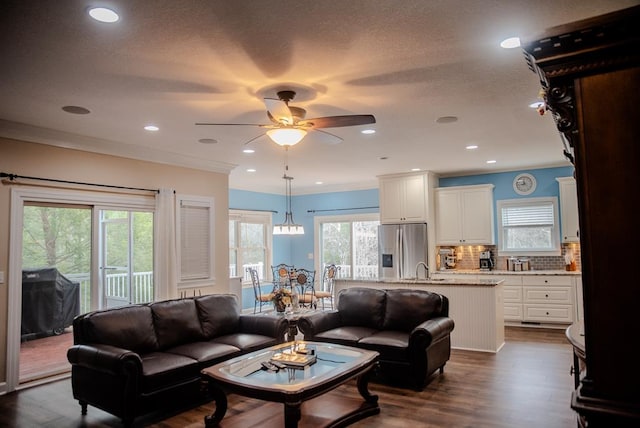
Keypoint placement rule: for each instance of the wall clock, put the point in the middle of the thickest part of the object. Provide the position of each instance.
(524, 184)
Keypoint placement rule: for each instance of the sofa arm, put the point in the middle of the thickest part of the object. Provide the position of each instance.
(430, 331)
(105, 358)
(317, 322)
(265, 325)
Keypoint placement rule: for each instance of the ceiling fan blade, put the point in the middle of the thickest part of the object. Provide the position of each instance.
(254, 139)
(278, 110)
(338, 121)
(232, 124)
(326, 137)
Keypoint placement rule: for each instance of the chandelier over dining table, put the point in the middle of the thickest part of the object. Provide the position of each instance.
(288, 227)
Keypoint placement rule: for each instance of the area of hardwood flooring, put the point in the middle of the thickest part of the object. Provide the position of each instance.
(526, 384)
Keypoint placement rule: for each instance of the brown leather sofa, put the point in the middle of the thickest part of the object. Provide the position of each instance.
(409, 328)
(137, 359)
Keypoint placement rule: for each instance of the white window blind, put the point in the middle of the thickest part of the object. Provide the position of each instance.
(528, 215)
(195, 238)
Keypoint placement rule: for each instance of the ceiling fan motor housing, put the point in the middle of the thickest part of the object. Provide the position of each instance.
(286, 96)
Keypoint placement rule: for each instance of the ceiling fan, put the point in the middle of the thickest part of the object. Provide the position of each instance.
(289, 126)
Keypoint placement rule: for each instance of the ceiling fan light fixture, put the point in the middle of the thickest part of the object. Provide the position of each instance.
(286, 136)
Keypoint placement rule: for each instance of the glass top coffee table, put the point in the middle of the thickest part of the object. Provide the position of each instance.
(304, 391)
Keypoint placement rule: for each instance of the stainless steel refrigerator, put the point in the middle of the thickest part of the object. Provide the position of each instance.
(401, 248)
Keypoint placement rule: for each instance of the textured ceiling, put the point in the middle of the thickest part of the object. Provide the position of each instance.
(174, 63)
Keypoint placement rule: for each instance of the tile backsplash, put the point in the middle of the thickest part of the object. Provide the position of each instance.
(469, 258)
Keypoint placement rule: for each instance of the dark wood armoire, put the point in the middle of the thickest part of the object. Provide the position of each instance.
(590, 74)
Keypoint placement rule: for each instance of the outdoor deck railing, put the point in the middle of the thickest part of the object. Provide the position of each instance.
(116, 286)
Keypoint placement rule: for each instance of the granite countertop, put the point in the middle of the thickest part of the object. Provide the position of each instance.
(508, 272)
(432, 281)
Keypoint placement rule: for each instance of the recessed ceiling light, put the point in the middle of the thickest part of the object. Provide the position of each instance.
(368, 131)
(510, 43)
(447, 119)
(537, 104)
(207, 141)
(319, 182)
(415, 169)
(151, 128)
(103, 14)
(76, 110)
(248, 151)
(471, 147)
(491, 161)
(251, 170)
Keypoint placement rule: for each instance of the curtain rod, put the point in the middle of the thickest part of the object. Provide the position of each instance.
(260, 211)
(341, 209)
(12, 177)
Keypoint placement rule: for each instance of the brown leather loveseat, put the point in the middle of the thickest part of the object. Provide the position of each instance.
(132, 360)
(409, 328)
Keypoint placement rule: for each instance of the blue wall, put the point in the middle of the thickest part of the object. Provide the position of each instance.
(503, 182)
(295, 249)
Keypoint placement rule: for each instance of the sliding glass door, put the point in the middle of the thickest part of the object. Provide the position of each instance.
(126, 257)
(75, 257)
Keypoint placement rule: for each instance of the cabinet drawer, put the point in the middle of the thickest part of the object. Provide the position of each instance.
(513, 294)
(551, 313)
(512, 312)
(562, 295)
(547, 280)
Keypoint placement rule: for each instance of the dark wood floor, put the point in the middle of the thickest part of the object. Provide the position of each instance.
(527, 384)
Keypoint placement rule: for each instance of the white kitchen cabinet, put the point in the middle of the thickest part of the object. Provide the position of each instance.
(512, 296)
(404, 198)
(464, 215)
(569, 209)
(548, 299)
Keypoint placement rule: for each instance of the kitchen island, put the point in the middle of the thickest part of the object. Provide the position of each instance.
(475, 305)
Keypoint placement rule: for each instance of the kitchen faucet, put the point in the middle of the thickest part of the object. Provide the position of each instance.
(426, 268)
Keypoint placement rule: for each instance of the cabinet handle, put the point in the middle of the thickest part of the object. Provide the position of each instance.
(547, 313)
(546, 295)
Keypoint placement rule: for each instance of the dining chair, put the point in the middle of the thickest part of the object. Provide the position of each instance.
(326, 290)
(282, 274)
(304, 280)
(260, 298)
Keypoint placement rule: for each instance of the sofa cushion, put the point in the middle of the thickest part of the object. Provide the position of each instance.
(362, 307)
(408, 308)
(129, 327)
(219, 314)
(161, 370)
(176, 322)
(206, 353)
(392, 345)
(246, 342)
(344, 335)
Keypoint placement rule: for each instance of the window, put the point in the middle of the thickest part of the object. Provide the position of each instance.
(528, 226)
(194, 231)
(350, 242)
(249, 238)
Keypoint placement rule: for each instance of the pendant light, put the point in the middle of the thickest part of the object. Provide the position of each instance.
(288, 227)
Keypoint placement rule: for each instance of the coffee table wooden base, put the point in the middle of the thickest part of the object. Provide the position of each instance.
(330, 410)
